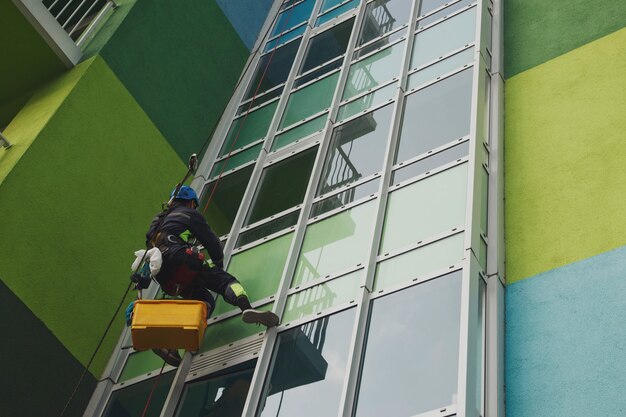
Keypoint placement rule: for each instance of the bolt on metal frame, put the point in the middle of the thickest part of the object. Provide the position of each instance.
(470, 263)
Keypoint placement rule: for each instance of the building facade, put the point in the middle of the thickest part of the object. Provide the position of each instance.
(362, 168)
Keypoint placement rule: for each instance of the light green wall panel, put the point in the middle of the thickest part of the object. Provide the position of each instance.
(140, 363)
(302, 131)
(247, 129)
(565, 147)
(428, 207)
(230, 330)
(259, 270)
(309, 100)
(432, 257)
(78, 204)
(322, 297)
(335, 243)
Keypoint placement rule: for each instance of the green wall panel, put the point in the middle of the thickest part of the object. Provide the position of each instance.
(27, 63)
(39, 353)
(539, 30)
(140, 363)
(29, 122)
(565, 148)
(180, 61)
(78, 204)
(259, 270)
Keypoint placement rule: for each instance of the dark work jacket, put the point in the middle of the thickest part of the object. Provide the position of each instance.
(179, 220)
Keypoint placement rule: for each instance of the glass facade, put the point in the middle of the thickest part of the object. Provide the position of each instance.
(351, 187)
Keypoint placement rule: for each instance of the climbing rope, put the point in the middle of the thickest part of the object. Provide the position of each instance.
(156, 382)
(245, 117)
(108, 327)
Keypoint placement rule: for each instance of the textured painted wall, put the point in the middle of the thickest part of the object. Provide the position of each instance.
(180, 61)
(28, 61)
(565, 149)
(565, 341)
(539, 30)
(247, 17)
(77, 205)
(25, 128)
(39, 353)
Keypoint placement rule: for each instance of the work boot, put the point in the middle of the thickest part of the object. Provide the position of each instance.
(170, 356)
(266, 318)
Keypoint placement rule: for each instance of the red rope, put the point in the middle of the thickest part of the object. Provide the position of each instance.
(245, 117)
(156, 382)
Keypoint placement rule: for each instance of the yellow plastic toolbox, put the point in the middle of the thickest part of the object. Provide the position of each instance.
(168, 324)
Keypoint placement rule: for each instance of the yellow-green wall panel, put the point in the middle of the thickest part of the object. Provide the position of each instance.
(564, 158)
(76, 206)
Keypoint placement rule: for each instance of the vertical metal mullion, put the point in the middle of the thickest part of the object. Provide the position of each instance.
(353, 367)
(173, 396)
(258, 169)
(494, 376)
(265, 355)
(467, 369)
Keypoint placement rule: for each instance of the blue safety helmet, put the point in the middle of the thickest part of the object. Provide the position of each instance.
(186, 193)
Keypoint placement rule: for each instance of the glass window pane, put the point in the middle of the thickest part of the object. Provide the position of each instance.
(444, 67)
(308, 369)
(310, 100)
(230, 330)
(433, 257)
(441, 207)
(259, 100)
(273, 69)
(336, 12)
(441, 13)
(436, 115)
(427, 6)
(293, 17)
(381, 43)
(236, 160)
(325, 69)
(345, 197)
(222, 395)
(379, 96)
(411, 359)
(222, 209)
(285, 37)
(374, 70)
(322, 297)
(302, 131)
(327, 45)
(441, 39)
(268, 228)
(434, 161)
(259, 270)
(357, 149)
(254, 127)
(347, 233)
(329, 4)
(140, 363)
(382, 16)
(282, 185)
(131, 401)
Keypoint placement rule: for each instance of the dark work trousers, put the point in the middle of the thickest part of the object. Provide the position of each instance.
(185, 275)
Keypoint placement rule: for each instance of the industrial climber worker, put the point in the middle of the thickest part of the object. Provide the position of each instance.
(186, 273)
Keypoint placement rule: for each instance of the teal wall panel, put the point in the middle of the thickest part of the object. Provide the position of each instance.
(565, 340)
(181, 62)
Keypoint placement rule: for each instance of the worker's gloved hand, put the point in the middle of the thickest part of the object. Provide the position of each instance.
(129, 313)
(141, 282)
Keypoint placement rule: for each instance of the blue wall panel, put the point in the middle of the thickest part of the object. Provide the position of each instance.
(247, 17)
(566, 340)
